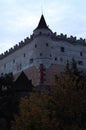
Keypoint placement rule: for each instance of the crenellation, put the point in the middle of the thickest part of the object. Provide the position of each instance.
(1, 56)
(16, 47)
(21, 44)
(11, 50)
(26, 40)
(70, 39)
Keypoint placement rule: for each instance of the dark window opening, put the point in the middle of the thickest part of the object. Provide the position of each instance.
(47, 44)
(35, 46)
(50, 55)
(13, 61)
(62, 49)
(55, 58)
(20, 66)
(31, 60)
(81, 54)
(80, 62)
(24, 55)
(61, 59)
(40, 33)
(40, 54)
(4, 65)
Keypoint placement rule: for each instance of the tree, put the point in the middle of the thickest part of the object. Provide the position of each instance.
(60, 108)
(73, 77)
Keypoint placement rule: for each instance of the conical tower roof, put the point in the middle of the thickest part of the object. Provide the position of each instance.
(42, 23)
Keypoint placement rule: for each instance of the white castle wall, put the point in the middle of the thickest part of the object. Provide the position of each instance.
(18, 60)
(43, 50)
(44, 47)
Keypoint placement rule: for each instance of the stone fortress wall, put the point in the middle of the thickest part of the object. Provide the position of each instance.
(44, 52)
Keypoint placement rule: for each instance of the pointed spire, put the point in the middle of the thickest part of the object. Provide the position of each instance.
(42, 23)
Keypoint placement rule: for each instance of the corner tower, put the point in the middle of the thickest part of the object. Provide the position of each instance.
(42, 47)
(42, 26)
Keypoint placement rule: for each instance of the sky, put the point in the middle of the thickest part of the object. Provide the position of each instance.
(18, 19)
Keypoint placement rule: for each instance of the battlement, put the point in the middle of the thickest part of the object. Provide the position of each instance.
(27, 40)
(71, 39)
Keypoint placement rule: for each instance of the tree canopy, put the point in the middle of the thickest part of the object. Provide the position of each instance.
(63, 107)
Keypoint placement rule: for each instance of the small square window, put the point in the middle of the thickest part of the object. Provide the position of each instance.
(20, 66)
(4, 65)
(40, 54)
(40, 33)
(81, 54)
(61, 59)
(31, 60)
(13, 60)
(35, 46)
(47, 44)
(55, 58)
(24, 55)
(62, 49)
(80, 62)
(50, 55)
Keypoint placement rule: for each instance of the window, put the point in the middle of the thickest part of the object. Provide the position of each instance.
(24, 55)
(61, 59)
(50, 55)
(4, 65)
(13, 60)
(40, 54)
(35, 46)
(31, 60)
(62, 49)
(55, 58)
(80, 62)
(47, 44)
(20, 66)
(81, 54)
(40, 33)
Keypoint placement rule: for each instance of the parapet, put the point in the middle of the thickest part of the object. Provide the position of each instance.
(16, 47)
(70, 39)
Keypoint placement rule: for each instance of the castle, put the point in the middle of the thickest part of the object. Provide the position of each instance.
(43, 55)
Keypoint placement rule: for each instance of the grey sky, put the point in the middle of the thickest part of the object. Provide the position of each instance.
(18, 18)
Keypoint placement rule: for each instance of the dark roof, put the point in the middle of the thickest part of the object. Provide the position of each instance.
(22, 83)
(42, 23)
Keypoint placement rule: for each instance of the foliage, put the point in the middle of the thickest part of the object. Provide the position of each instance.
(63, 107)
(72, 77)
(7, 100)
(6, 82)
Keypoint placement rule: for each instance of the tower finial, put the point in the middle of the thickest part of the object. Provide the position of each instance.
(42, 9)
